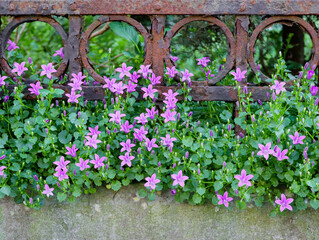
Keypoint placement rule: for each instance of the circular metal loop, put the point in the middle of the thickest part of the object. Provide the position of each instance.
(84, 43)
(230, 59)
(23, 19)
(281, 19)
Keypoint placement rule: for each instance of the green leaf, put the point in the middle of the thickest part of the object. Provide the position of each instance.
(18, 132)
(111, 173)
(218, 185)
(64, 137)
(139, 177)
(126, 181)
(15, 167)
(226, 115)
(295, 187)
(201, 191)
(61, 196)
(6, 190)
(188, 141)
(151, 196)
(314, 203)
(142, 193)
(197, 198)
(240, 205)
(259, 201)
(125, 30)
(77, 192)
(300, 204)
(116, 185)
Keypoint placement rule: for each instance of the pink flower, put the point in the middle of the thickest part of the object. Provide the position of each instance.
(126, 159)
(224, 199)
(142, 118)
(98, 162)
(150, 143)
(284, 203)
(179, 178)
(48, 190)
(109, 83)
(155, 80)
(116, 117)
(119, 87)
(280, 155)
(313, 90)
(203, 61)
(124, 71)
(35, 88)
(278, 87)
(12, 45)
(310, 74)
(83, 164)
(243, 178)
(297, 139)
(151, 181)
(92, 141)
(73, 98)
(168, 141)
(134, 77)
(2, 83)
(171, 71)
(238, 75)
(140, 133)
(174, 58)
(186, 75)
(19, 68)
(61, 173)
(144, 70)
(71, 151)
(170, 94)
(149, 91)
(1, 170)
(94, 131)
(47, 70)
(126, 127)
(151, 113)
(59, 53)
(126, 146)
(168, 115)
(265, 150)
(61, 164)
(131, 87)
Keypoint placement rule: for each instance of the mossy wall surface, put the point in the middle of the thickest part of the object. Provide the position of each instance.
(123, 215)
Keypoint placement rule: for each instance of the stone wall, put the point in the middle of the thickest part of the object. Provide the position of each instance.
(122, 215)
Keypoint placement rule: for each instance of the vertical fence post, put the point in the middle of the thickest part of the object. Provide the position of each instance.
(158, 47)
(242, 27)
(73, 45)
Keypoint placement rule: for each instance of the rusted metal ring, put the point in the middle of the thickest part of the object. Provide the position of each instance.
(281, 19)
(230, 59)
(23, 19)
(84, 43)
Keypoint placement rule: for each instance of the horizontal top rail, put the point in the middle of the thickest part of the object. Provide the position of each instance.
(159, 7)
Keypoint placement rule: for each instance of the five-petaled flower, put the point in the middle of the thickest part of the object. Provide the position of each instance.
(239, 75)
(94, 131)
(244, 179)
(284, 203)
(12, 45)
(203, 61)
(124, 70)
(151, 181)
(35, 88)
(171, 71)
(48, 191)
(265, 150)
(140, 133)
(19, 68)
(83, 164)
(280, 155)
(126, 159)
(168, 115)
(92, 141)
(278, 87)
(149, 91)
(179, 179)
(73, 98)
(47, 70)
(116, 117)
(296, 139)
(1, 170)
(150, 143)
(98, 161)
(224, 199)
(59, 53)
(61, 164)
(126, 146)
(168, 141)
(144, 70)
(186, 75)
(71, 151)
(126, 127)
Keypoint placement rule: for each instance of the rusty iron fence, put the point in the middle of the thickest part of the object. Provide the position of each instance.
(157, 43)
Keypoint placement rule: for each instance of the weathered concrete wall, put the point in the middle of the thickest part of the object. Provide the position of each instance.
(106, 215)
